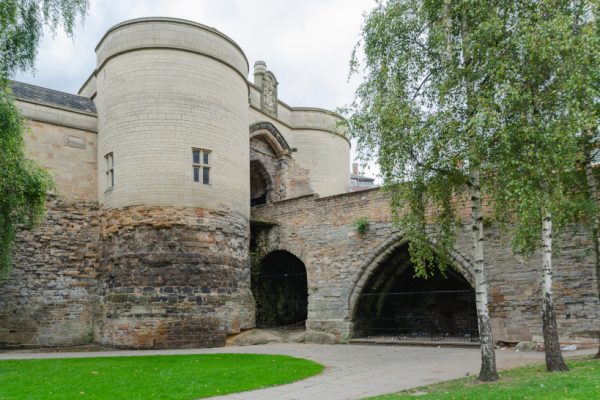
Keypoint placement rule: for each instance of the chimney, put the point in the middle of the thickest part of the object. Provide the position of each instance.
(354, 168)
(260, 67)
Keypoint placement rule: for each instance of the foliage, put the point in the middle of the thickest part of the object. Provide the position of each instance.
(422, 110)
(536, 127)
(22, 24)
(582, 382)
(361, 225)
(148, 377)
(23, 185)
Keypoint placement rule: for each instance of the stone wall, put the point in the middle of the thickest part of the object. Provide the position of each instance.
(322, 147)
(337, 258)
(173, 277)
(69, 155)
(283, 177)
(49, 298)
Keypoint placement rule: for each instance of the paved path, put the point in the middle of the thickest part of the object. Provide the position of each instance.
(352, 371)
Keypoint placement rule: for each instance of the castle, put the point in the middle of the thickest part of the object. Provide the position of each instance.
(192, 204)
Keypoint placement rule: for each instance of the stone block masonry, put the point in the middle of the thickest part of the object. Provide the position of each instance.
(173, 277)
(139, 277)
(339, 260)
(49, 298)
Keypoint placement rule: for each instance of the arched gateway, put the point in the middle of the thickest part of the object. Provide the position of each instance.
(389, 302)
(279, 286)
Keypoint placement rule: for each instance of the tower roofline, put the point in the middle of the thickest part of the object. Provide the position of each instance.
(175, 21)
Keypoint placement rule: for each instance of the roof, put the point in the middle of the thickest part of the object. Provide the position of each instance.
(38, 94)
(361, 177)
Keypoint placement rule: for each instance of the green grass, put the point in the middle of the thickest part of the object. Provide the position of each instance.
(179, 377)
(581, 382)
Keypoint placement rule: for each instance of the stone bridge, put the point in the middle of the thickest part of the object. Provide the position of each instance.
(340, 262)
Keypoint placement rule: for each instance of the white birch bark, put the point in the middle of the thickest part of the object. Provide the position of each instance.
(547, 257)
(488, 370)
(554, 359)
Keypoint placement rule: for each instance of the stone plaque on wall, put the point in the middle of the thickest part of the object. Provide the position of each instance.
(74, 141)
(268, 100)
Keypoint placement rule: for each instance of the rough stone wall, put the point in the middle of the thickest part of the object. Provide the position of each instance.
(173, 277)
(49, 298)
(286, 179)
(321, 233)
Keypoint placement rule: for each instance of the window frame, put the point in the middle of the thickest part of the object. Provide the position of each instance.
(109, 170)
(203, 166)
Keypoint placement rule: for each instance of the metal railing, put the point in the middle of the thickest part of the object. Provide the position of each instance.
(417, 316)
(281, 300)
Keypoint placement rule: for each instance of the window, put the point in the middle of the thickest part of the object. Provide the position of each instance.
(110, 171)
(201, 165)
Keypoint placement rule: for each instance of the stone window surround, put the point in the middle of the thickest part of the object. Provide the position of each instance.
(110, 170)
(202, 164)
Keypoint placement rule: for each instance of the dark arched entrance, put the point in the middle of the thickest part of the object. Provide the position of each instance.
(279, 286)
(396, 305)
(260, 183)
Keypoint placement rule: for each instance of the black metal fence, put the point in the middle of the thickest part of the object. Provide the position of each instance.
(418, 316)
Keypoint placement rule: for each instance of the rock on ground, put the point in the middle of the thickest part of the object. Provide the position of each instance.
(258, 336)
(319, 337)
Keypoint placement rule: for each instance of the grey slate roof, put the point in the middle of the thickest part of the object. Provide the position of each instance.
(38, 94)
(362, 178)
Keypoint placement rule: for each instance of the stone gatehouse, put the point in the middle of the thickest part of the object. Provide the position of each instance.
(193, 204)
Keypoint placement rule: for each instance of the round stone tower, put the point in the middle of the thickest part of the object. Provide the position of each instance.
(173, 156)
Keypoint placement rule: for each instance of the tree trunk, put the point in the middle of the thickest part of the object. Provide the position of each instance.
(554, 359)
(592, 186)
(488, 370)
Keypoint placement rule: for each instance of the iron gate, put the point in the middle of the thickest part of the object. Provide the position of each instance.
(281, 300)
(448, 315)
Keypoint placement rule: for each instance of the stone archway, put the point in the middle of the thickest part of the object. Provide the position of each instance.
(388, 301)
(261, 184)
(280, 289)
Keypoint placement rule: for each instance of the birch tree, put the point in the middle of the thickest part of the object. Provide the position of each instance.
(538, 186)
(583, 78)
(422, 113)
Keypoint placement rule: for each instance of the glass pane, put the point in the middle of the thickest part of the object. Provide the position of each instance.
(196, 174)
(111, 161)
(112, 178)
(205, 176)
(205, 154)
(196, 156)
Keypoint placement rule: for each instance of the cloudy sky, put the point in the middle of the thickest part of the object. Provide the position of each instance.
(307, 44)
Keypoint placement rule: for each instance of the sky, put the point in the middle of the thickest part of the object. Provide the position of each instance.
(307, 44)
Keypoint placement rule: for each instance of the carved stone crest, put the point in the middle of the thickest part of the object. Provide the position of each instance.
(269, 94)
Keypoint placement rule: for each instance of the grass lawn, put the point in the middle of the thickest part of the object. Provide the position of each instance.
(581, 382)
(182, 377)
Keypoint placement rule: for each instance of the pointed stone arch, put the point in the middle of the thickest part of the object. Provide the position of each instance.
(261, 183)
(271, 135)
(382, 253)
